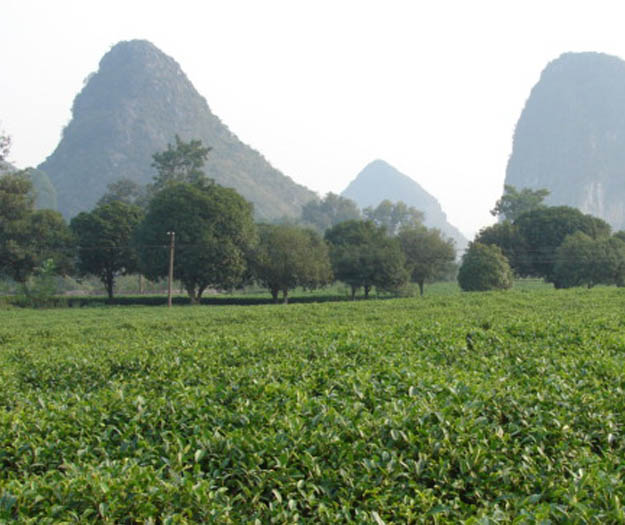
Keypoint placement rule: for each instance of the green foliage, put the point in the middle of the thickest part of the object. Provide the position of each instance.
(48, 237)
(105, 241)
(289, 256)
(363, 255)
(183, 162)
(584, 261)
(484, 267)
(379, 181)
(394, 216)
(545, 229)
(506, 236)
(16, 198)
(127, 191)
(428, 254)
(329, 211)
(28, 237)
(214, 232)
(515, 203)
(475, 408)
(40, 288)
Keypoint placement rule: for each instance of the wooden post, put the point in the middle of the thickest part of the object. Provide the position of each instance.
(172, 244)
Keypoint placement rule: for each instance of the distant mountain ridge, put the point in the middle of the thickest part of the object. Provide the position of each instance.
(379, 181)
(570, 137)
(132, 107)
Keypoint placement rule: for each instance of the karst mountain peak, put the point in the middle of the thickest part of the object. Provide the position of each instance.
(137, 101)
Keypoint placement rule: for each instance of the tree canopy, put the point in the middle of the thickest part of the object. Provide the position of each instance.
(544, 229)
(428, 253)
(484, 268)
(105, 241)
(125, 190)
(182, 162)
(288, 256)
(583, 261)
(394, 216)
(363, 255)
(214, 233)
(329, 211)
(506, 235)
(29, 237)
(515, 203)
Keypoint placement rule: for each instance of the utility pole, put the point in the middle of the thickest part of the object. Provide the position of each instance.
(172, 244)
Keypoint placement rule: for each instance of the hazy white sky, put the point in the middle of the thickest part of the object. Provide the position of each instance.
(320, 88)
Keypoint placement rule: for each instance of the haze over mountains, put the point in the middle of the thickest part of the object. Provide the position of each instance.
(379, 181)
(570, 137)
(134, 105)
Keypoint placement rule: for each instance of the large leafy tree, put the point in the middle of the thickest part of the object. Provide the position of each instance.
(214, 232)
(329, 211)
(543, 231)
(16, 198)
(484, 268)
(394, 216)
(583, 261)
(180, 162)
(515, 203)
(506, 235)
(363, 255)
(105, 241)
(29, 237)
(289, 256)
(427, 253)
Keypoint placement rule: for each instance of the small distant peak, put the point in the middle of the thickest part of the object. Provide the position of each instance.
(584, 63)
(135, 44)
(133, 51)
(378, 162)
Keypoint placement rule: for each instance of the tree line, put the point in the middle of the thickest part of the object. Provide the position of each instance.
(218, 244)
(559, 244)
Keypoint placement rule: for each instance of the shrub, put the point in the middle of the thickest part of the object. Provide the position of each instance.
(484, 267)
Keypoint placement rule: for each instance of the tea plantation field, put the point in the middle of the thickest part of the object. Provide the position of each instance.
(476, 408)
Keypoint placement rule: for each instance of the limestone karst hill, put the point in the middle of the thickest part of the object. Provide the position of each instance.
(132, 107)
(570, 137)
(379, 181)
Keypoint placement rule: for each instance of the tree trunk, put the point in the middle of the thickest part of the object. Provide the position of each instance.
(367, 288)
(141, 284)
(192, 296)
(285, 296)
(420, 288)
(353, 293)
(274, 295)
(109, 283)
